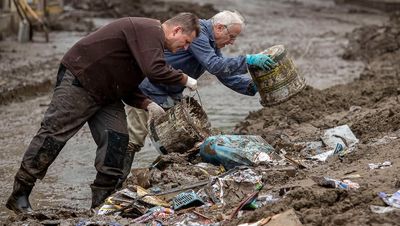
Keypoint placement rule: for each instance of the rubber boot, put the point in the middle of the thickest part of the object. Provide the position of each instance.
(128, 160)
(99, 194)
(19, 199)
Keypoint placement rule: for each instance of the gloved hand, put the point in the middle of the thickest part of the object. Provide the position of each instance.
(252, 89)
(191, 83)
(155, 111)
(260, 60)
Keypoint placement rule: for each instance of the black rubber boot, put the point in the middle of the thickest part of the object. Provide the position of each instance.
(99, 194)
(19, 199)
(128, 160)
(102, 187)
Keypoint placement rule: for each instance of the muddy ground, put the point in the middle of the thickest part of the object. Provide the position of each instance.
(349, 56)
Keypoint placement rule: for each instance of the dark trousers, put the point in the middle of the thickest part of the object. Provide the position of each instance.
(70, 108)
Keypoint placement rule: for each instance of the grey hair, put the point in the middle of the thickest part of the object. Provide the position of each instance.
(228, 18)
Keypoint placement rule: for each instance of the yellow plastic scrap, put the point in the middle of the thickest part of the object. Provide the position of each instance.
(150, 199)
(221, 169)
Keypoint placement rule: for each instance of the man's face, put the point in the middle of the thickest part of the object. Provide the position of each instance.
(226, 35)
(178, 39)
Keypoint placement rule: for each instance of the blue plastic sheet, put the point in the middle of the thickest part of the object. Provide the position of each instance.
(235, 150)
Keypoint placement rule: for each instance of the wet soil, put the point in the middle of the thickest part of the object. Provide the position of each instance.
(349, 59)
(369, 105)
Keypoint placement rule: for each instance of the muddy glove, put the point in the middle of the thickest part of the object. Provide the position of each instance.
(260, 60)
(252, 89)
(155, 111)
(191, 83)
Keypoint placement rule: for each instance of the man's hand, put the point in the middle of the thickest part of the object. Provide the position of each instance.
(191, 83)
(155, 111)
(260, 60)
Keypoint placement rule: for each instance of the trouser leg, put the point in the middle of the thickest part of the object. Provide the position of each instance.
(109, 130)
(69, 109)
(137, 125)
(128, 160)
(137, 130)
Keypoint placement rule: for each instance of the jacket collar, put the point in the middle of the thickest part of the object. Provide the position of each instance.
(206, 26)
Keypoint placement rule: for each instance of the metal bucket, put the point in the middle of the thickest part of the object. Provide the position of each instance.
(181, 128)
(282, 82)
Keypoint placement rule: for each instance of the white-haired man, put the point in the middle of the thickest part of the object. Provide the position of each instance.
(203, 54)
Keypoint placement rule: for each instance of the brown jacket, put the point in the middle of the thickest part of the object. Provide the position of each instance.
(111, 62)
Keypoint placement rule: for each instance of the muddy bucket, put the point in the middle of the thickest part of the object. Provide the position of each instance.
(282, 82)
(181, 128)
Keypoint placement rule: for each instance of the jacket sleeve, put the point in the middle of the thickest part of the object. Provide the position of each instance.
(137, 99)
(242, 84)
(216, 64)
(229, 70)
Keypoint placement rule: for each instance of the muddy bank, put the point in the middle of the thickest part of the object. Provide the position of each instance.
(77, 12)
(364, 103)
(384, 5)
(369, 105)
(161, 10)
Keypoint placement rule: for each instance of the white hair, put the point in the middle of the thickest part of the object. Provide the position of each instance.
(228, 18)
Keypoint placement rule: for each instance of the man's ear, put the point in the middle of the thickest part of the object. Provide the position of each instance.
(219, 28)
(176, 30)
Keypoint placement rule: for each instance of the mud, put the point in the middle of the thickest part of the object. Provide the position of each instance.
(369, 105)
(142, 8)
(349, 59)
(75, 19)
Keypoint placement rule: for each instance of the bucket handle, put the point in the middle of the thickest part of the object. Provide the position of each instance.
(154, 135)
(198, 95)
(188, 119)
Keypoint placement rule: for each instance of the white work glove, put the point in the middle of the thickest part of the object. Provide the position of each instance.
(155, 111)
(191, 83)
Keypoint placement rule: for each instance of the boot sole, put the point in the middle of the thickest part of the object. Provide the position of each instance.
(12, 208)
(15, 209)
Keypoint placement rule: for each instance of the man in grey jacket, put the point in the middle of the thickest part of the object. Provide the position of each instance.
(203, 54)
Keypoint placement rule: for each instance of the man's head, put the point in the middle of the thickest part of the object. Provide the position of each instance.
(227, 26)
(180, 31)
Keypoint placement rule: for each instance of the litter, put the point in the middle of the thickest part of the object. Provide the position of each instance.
(263, 200)
(382, 209)
(157, 212)
(186, 199)
(152, 200)
(323, 156)
(236, 150)
(339, 135)
(118, 201)
(107, 209)
(384, 140)
(332, 183)
(287, 218)
(340, 140)
(351, 176)
(89, 223)
(383, 165)
(391, 200)
(194, 219)
(235, 187)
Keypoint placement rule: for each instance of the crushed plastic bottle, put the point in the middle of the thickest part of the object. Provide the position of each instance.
(332, 183)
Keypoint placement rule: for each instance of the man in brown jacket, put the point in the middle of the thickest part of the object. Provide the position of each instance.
(95, 76)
